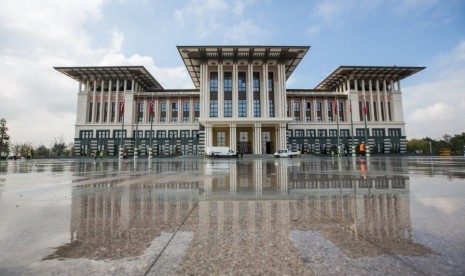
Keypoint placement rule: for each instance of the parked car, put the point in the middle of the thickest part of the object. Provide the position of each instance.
(286, 153)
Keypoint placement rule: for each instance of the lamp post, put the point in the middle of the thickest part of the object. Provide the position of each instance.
(151, 128)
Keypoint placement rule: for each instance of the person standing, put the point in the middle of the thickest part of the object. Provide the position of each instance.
(362, 149)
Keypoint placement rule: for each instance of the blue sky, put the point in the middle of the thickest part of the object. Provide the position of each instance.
(40, 104)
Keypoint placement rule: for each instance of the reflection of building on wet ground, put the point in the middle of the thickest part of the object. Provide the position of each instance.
(248, 210)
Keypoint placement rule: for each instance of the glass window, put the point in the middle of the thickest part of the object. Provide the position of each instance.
(221, 138)
(270, 108)
(161, 133)
(227, 82)
(319, 112)
(242, 108)
(344, 133)
(86, 134)
(299, 133)
(117, 133)
(113, 112)
(228, 108)
(185, 107)
(242, 84)
(256, 108)
(97, 112)
(256, 82)
(213, 108)
(311, 133)
(333, 133)
(184, 133)
(103, 134)
(173, 134)
(140, 112)
(105, 112)
(213, 82)
(322, 133)
(91, 105)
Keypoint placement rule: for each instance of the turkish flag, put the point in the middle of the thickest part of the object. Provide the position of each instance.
(122, 109)
(151, 109)
(364, 109)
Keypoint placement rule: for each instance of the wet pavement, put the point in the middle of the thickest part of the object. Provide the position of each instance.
(308, 216)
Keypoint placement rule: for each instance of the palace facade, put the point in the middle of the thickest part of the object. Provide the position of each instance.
(240, 101)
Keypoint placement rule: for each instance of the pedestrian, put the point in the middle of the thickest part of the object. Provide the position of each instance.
(362, 149)
(101, 154)
(95, 155)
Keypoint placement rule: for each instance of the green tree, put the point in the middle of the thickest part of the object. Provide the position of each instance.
(4, 137)
(414, 145)
(457, 143)
(58, 147)
(41, 152)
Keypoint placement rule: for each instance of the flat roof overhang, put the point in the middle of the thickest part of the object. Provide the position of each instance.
(138, 73)
(343, 73)
(193, 56)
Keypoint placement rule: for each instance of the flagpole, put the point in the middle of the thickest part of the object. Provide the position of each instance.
(352, 128)
(121, 148)
(338, 137)
(151, 127)
(136, 148)
(366, 133)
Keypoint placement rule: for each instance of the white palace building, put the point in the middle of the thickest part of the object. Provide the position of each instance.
(240, 101)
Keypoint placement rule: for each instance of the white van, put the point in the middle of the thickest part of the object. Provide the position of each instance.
(220, 152)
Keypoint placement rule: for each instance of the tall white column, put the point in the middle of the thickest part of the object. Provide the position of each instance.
(146, 111)
(249, 90)
(156, 114)
(386, 118)
(206, 80)
(303, 106)
(372, 106)
(277, 94)
(101, 103)
(220, 90)
(168, 109)
(363, 96)
(191, 110)
(117, 111)
(94, 101)
(264, 95)
(235, 97)
(314, 117)
(378, 99)
(232, 137)
(110, 84)
(283, 95)
(291, 108)
(324, 110)
(179, 110)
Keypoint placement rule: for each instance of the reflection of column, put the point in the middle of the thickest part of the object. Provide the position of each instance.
(250, 89)
(233, 180)
(258, 176)
(282, 177)
(232, 137)
(257, 139)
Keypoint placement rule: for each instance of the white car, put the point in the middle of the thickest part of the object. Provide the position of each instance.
(286, 153)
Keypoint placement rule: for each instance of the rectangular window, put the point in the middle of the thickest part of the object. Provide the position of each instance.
(173, 134)
(103, 134)
(213, 108)
(86, 134)
(382, 111)
(105, 112)
(213, 82)
(360, 132)
(91, 105)
(184, 133)
(161, 133)
(97, 112)
(149, 134)
(297, 111)
(256, 108)
(162, 112)
(113, 111)
(333, 133)
(308, 111)
(221, 138)
(319, 112)
(241, 82)
(344, 133)
(242, 108)
(140, 112)
(340, 112)
(378, 132)
(256, 82)
(137, 134)
(196, 111)
(121, 114)
(228, 108)
(227, 82)
(322, 133)
(129, 85)
(375, 111)
(299, 133)
(117, 133)
(394, 132)
(368, 111)
(330, 112)
(270, 108)
(185, 107)
(195, 134)
(310, 133)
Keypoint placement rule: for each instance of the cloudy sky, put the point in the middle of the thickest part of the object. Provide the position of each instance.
(39, 103)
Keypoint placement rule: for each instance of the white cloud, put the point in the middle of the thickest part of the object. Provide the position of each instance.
(245, 32)
(436, 107)
(38, 102)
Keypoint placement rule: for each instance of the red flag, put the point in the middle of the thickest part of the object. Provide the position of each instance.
(151, 109)
(335, 106)
(122, 109)
(364, 109)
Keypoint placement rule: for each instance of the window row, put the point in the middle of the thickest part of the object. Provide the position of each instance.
(359, 132)
(105, 134)
(106, 113)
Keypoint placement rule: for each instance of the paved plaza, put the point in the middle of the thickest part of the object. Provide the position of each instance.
(256, 215)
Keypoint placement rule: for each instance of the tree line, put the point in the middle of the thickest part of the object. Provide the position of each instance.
(447, 143)
(57, 147)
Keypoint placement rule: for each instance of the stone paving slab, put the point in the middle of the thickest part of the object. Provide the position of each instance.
(176, 216)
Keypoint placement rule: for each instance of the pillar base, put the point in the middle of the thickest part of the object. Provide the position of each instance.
(136, 153)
